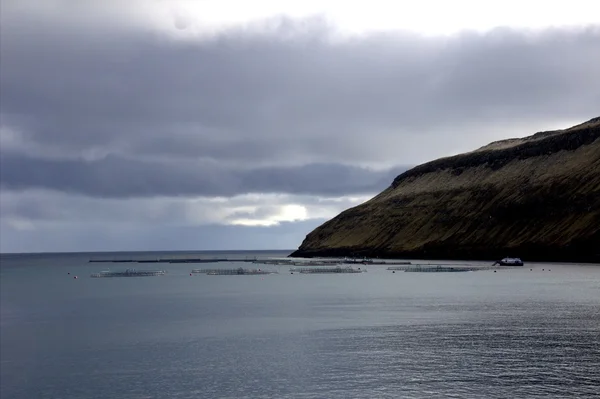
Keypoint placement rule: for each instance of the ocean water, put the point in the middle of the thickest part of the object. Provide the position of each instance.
(514, 333)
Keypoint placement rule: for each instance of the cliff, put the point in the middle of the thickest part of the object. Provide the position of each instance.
(537, 198)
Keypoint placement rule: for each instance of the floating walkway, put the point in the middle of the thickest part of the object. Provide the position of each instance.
(265, 261)
(130, 273)
(173, 260)
(328, 262)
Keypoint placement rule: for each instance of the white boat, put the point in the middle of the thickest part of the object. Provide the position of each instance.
(509, 262)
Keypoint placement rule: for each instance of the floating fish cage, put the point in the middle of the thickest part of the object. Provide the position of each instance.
(130, 273)
(399, 267)
(286, 262)
(323, 270)
(232, 272)
(205, 271)
(440, 269)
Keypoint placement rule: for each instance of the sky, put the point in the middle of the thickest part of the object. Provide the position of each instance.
(199, 125)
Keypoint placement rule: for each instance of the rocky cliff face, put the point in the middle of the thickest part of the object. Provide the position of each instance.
(537, 198)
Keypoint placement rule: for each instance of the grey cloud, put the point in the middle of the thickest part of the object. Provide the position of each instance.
(79, 238)
(37, 208)
(105, 109)
(251, 112)
(38, 220)
(116, 177)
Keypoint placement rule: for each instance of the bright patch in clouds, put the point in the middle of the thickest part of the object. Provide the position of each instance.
(37, 208)
(192, 18)
(284, 213)
(425, 16)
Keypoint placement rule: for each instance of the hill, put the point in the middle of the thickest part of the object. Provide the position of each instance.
(537, 197)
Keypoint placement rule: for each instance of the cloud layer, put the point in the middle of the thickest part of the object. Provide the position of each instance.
(43, 220)
(104, 105)
(115, 176)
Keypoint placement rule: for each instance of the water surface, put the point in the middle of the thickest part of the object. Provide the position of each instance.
(513, 333)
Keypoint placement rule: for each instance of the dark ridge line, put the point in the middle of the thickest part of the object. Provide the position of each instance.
(570, 140)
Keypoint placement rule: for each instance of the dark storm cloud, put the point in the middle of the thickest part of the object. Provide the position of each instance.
(114, 176)
(252, 112)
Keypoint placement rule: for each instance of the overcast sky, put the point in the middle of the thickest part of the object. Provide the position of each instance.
(157, 125)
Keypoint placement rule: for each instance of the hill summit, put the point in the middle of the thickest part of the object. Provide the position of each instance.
(536, 197)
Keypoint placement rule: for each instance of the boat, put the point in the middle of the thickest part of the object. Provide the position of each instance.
(509, 262)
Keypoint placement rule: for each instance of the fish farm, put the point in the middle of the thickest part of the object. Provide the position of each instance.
(441, 269)
(130, 273)
(399, 268)
(323, 270)
(233, 272)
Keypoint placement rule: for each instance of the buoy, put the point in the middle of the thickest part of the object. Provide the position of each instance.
(494, 271)
(393, 271)
(75, 277)
(68, 272)
(190, 274)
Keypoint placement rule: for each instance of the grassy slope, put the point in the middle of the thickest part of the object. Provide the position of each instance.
(538, 198)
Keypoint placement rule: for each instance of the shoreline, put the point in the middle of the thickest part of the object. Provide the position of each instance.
(543, 254)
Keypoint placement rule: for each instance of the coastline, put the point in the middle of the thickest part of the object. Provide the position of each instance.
(528, 254)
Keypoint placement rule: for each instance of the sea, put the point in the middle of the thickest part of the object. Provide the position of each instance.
(514, 332)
